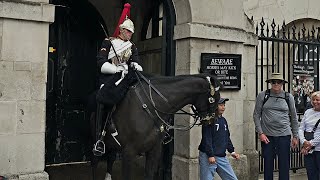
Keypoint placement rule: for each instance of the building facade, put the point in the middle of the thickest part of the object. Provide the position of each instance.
(23, 54)
(214, 27)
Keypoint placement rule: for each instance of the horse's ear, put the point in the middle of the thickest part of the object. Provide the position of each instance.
(216, 82)
(205, 71)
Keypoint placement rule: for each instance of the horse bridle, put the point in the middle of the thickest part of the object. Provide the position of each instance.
(210, 113)
(198, 116)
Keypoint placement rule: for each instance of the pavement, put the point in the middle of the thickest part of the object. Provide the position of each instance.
(300, 174)
(82, 171)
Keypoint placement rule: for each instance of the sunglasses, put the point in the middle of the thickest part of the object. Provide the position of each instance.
(276, 82)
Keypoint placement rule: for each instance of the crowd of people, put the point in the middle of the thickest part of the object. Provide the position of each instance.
(276, 123)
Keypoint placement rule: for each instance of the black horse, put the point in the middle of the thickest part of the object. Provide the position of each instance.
(142, 117)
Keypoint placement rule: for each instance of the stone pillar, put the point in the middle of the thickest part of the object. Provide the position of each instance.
(24, 34)
(220, 32)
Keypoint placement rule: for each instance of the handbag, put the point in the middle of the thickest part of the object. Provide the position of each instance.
(310, 135)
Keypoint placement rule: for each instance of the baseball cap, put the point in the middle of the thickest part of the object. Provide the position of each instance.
(223, 100)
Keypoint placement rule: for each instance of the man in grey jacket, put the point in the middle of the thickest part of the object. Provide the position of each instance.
(275, 121)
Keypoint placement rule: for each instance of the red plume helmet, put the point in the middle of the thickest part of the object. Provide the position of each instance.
(124, 15)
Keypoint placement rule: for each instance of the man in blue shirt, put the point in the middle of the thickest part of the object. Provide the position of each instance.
(212, 149)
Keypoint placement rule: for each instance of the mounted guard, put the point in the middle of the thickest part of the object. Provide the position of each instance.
(117, 60)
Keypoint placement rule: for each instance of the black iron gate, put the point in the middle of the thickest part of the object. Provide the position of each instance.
(292, 51)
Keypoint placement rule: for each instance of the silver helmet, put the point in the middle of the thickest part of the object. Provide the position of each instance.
(127, 24)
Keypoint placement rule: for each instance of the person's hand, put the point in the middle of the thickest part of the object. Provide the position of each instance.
(264, 138)
(304, 151)
(235, 155)
(120, 69)
(294, 142)
(136, 66)
(212, 160)
(307, 145)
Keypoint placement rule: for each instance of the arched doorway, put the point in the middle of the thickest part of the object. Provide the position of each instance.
(73, 42)
(75, 38)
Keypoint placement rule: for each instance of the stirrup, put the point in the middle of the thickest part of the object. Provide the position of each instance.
(99, 148)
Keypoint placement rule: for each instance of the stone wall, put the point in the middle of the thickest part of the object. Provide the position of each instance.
(217, 27)
(288, 10)
(24, 28)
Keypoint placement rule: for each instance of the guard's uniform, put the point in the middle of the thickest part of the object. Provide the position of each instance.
(110, 91)
(117, 60)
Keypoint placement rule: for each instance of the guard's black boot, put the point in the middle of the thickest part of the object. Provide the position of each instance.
(99, 146)
(112, 127)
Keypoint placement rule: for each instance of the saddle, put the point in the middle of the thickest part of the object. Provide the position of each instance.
(111, 94)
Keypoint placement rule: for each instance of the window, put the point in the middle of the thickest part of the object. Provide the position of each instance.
(155, 20)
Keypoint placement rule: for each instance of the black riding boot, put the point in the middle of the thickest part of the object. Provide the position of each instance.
(103, 113)
(99, 146)
(111, 126)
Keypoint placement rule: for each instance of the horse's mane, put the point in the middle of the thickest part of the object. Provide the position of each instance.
(160, 79)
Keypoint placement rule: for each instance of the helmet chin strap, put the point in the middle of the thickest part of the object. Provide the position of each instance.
(123, 34)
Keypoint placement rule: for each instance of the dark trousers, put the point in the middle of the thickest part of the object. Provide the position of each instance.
(277, 146)
(312, 163)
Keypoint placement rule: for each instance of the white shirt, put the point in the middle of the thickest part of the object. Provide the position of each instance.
(309, 119)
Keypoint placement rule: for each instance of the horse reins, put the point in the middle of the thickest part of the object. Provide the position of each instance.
(195, 115)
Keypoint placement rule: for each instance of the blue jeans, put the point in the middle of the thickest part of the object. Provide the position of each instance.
(279, 145)
(312, 163)
(222, 167)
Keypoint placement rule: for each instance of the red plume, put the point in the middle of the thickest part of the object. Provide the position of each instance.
(125, 13)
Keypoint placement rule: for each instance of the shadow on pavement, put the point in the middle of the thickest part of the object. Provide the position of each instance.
(82, 171)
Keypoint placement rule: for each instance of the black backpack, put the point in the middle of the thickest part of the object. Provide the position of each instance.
(267, 95)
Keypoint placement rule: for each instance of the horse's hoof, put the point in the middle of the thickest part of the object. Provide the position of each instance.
(108, 177)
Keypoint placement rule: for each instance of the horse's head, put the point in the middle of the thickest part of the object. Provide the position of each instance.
(207, 103)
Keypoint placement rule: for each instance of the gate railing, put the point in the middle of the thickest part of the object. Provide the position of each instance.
(279, 48)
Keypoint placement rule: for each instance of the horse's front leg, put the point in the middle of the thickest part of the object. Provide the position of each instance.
(152, 160)
(111, 157)
(128, 158)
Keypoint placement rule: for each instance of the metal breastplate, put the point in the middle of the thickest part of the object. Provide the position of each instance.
(123, 51)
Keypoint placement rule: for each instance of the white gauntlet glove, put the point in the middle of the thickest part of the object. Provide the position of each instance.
(120, 69)
(108, 68)
(136, 66)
